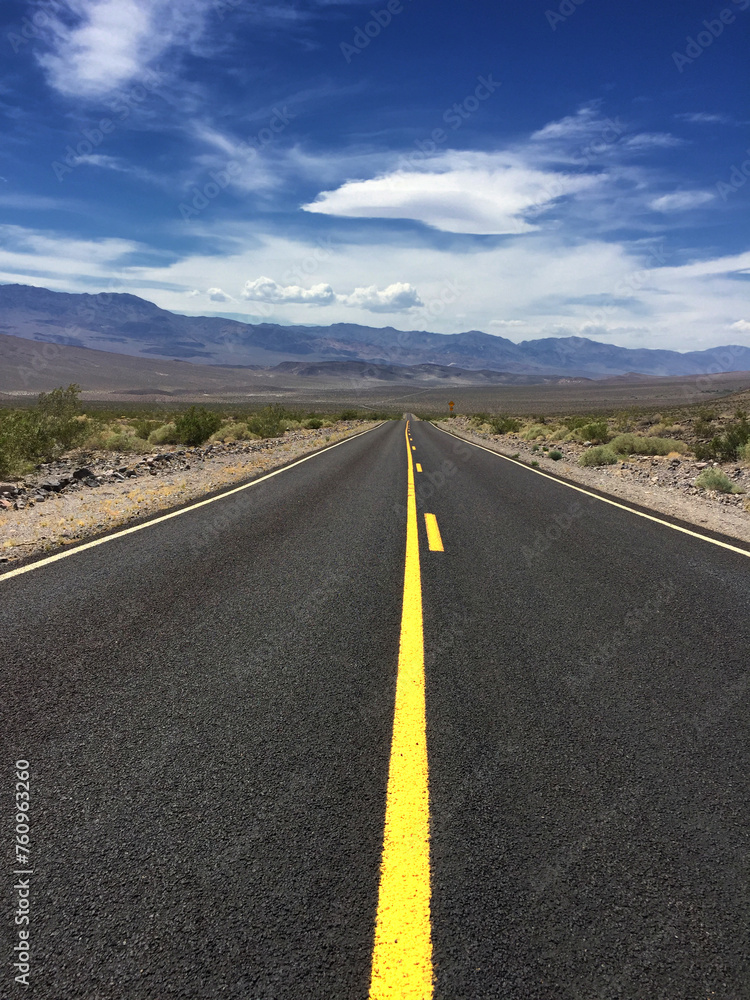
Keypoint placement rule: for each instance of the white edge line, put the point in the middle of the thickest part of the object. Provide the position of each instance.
(175, 513)
(588, 493)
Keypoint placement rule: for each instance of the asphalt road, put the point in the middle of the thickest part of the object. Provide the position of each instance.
(207, 707)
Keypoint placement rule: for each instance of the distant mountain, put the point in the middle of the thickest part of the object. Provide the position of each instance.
(28, 367)
(133, 326)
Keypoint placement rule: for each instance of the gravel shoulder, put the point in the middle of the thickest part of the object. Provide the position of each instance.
(662, 484)
(81, 496)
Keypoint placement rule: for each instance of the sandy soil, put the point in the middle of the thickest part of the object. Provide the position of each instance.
(154, 483)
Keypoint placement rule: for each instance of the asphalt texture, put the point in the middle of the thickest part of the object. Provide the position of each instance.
(207, 708)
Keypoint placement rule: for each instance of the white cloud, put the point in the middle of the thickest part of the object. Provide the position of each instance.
(704, 118)
(741, 325)
(653, 140)
(507, 322)
(581, 125)
(395, 298)
(681, 200)
(267, 290)
(480, 193)
(113, 42)
(218, 295)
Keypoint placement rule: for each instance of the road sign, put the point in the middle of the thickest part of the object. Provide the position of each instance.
(451, 404)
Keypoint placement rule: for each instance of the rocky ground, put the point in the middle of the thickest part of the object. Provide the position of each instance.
(85, 494)
(666, 485)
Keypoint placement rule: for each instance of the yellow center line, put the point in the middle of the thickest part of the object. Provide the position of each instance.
(433, 533)
(402, 954)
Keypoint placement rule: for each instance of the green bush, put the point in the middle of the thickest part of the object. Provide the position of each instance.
(196, 425)
(632, 444)
(597, 430)
(503, 424)
(348, 415)
(40, 434)
(715, 479)
(573, 423)
(601, 455)
(144, 427)
(314, 423)
(267, 423)
(117, 439)
(533, 432)
(166, 434)
(726, 447)
(555, 455)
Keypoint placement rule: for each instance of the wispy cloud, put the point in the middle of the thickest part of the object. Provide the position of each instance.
(680, 201)
(704, 118)
(108, 43)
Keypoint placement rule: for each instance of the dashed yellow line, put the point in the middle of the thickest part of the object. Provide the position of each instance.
(433, 533)
(402, 954)
(419, 467)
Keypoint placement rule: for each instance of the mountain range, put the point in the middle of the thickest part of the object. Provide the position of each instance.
(129, 325)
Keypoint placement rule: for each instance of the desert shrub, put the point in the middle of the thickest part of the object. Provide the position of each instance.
(726, 447)
(533, 432)
(348, 415)
(196, 425)
(555, 455)
(715, 479)
(535, 464)
(601, 455)
(745, 452)
(115, 439)
(634, 444)
(144, 427)
(597, 430)
(166, 434)
(504, 425)
(313, 423)
(41, 433)
(573, 423)
(233, 430)
(267, 423)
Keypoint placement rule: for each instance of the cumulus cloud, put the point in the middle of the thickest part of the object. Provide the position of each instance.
(267, 290)
(395, 298)
(109, 43)
(507, 322)
(482, 193)
(742, 326)
(217, 295)
(681, 200)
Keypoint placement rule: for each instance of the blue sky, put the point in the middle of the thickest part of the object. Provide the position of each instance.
(533, 169)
